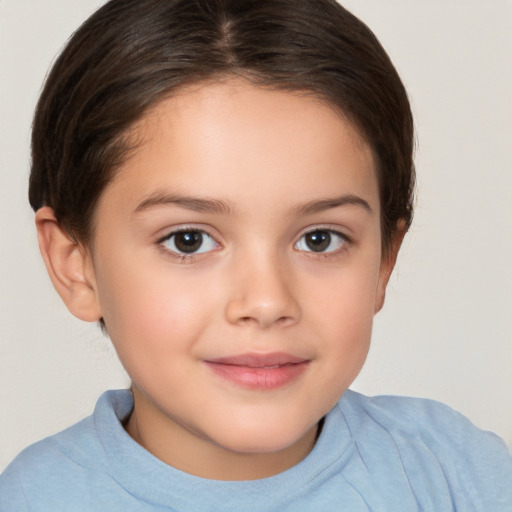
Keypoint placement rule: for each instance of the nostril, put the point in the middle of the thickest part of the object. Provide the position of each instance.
(284, 319)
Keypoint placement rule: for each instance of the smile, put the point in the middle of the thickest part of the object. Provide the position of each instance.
(259, 371)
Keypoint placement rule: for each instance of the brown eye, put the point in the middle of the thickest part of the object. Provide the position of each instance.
(188, 241)
(191, 241)
(318, 241)
(321, 240)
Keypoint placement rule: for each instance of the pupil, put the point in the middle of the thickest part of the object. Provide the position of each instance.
(189, 241)
(318, 241)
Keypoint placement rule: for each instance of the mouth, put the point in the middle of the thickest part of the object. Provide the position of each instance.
(259, 371)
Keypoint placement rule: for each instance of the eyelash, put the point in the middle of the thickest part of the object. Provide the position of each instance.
(344, 241)
(184, 257)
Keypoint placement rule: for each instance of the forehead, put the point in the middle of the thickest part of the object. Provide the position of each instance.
(235, 141)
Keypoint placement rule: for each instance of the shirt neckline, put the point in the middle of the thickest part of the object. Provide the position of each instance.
(149, 479)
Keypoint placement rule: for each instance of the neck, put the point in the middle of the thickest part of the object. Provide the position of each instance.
(188, 451)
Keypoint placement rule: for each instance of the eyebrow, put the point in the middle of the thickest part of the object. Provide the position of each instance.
(200, 204)
(197, 204)
(321, 205)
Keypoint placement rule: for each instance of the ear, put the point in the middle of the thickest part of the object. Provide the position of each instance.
(387, 265)
(69, 266)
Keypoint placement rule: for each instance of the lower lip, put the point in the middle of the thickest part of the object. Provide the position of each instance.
(259, 378)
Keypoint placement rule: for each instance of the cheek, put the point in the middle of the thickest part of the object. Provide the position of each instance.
(343, 313)
(148, 309)
(153, 327)
(345, 296)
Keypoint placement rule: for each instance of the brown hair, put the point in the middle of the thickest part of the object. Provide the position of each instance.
(132, 53)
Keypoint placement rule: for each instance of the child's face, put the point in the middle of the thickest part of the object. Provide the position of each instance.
(237, 264)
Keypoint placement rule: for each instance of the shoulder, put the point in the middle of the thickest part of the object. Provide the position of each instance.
(432, 441)
(428, 420)
(49, 470)
(42, 468)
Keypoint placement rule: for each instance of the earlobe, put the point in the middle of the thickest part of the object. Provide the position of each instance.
(386, 267)
(69, 267)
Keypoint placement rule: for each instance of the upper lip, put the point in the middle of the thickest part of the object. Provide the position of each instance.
(253, 360)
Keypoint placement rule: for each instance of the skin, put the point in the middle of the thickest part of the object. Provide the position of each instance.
(273, 166)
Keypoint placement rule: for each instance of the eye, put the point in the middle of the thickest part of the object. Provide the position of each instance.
(189, 241)
(321, 241)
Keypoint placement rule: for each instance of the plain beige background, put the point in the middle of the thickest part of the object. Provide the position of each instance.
(446, 330)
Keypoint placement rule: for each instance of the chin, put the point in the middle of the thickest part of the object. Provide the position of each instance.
(258, 440)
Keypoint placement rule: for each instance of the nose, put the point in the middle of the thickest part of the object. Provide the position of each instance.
(262, 294)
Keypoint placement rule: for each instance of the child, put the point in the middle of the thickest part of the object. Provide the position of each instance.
(224, 185)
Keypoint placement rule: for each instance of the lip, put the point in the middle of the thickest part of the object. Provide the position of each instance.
(259, 371)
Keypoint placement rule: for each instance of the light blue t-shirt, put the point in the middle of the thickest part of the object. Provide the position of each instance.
(384, 454)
